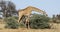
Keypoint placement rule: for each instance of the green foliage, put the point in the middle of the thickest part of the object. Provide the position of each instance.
(11, 23)
(15, 17)
(39, 21)
(22, 25)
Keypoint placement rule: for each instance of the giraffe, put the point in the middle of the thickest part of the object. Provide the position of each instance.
(27, 11)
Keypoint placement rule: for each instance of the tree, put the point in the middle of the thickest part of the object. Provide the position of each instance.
(53, 16)
(11, 9)
(58, 17)
(3, 7)
(8, 8)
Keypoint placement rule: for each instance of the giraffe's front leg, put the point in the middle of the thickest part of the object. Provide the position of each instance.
(27, 23)
(18, 19)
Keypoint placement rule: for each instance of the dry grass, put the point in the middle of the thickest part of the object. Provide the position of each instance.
(27, 30)
(30, 30)
(56, 26)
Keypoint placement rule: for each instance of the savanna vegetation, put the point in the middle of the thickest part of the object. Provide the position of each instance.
(37, 21)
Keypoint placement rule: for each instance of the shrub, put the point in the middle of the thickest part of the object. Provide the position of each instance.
(22, 25)
(11, 23)
(15, 17)
(39, 21)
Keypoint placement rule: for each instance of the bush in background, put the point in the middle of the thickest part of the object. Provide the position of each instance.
(56, 18)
